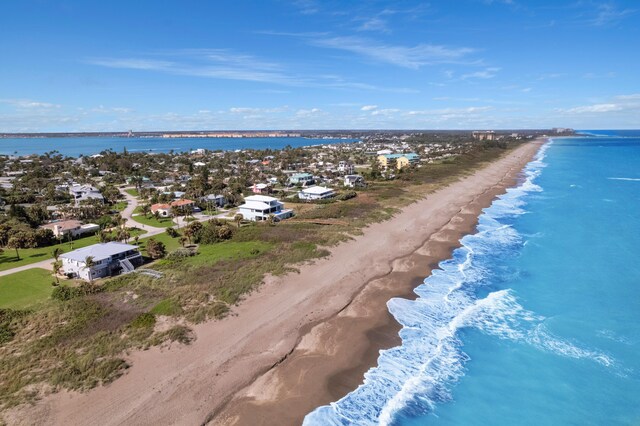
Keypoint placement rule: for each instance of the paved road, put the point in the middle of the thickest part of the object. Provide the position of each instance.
(127, 213)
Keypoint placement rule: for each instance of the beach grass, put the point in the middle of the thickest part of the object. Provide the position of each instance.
(26, 289)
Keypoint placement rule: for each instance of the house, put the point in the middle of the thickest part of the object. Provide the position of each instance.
(108, 259)
(74, 227)
(398, 160)
(316, 193)
(217, 200)
(261, 188)
(261, 207)
(353, 181)
(85, 192)
(346, 167)
(165, 210)
(303, 179)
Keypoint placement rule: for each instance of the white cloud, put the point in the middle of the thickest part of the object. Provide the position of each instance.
(485, 74)
(369, 107)
(412, 57)
(597, 108)
(28, 104)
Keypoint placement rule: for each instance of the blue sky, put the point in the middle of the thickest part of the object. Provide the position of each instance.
(306, 64)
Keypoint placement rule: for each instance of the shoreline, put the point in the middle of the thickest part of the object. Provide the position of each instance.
(284, 342)
(316, 373)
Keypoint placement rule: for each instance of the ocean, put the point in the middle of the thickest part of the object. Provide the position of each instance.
(535, 319)
(76, 146)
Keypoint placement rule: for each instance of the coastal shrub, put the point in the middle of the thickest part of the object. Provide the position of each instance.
(156, 249)
(172, 232)
(65, 292)
(347, 195)
(180, 254)
(144, 320)
(214, 232)
(181, 334)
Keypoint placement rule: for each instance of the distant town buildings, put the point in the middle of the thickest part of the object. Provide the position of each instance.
(488, 135)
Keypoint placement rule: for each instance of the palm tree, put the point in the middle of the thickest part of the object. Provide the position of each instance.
(182, 240)
(57, 252)
(136, 238)
(57, 266)
(238, 218)
(88, 264)
(146, 209)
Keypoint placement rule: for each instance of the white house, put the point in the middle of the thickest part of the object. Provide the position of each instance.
(74, 227)
(85, 192)
(261, 207)
(316, 193)
(346, 167)
(108, 259)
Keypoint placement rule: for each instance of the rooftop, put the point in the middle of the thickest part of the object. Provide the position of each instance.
(98, 251)
(318, 190)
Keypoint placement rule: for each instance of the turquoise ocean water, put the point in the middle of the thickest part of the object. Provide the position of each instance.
(535, 320)
(75, 146)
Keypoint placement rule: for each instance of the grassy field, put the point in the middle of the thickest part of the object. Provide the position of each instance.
(26, 289)
(132, 191)
(152, 221)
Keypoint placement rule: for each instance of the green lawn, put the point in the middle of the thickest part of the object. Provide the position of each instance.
(120, 205)
(152, 221)
(170, 243)
(25, 289)
(132, 191)
(212, 253)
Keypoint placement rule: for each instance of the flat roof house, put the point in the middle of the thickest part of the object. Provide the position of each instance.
(301, 178)
(316, 193)
(108, 259)
(261, 207)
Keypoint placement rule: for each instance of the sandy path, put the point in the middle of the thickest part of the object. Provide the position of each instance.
(190, 384)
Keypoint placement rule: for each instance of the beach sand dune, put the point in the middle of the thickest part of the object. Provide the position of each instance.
(301, 340)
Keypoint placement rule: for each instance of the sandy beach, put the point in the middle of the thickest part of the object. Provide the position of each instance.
(301, 340)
